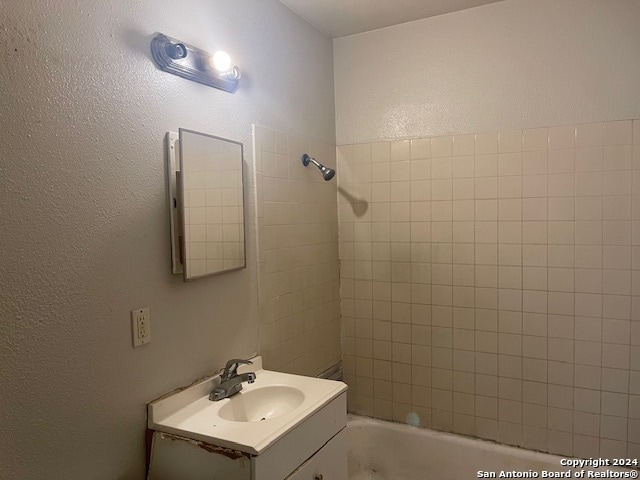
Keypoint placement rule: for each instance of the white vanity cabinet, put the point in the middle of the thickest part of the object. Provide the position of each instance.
(308, 446)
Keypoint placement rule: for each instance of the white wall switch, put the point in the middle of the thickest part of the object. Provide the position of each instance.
(141, 326)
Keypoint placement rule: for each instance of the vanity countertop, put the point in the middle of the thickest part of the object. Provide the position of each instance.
(190, 413)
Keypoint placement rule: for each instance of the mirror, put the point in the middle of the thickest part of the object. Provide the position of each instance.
(208, 204)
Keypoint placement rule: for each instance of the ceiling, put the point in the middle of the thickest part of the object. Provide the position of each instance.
(337, 18)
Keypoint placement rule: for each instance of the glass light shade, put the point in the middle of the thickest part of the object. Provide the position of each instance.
(221, 61)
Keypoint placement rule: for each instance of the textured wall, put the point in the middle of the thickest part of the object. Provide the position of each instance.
(85, 230)
(299, 288)
(512, 64)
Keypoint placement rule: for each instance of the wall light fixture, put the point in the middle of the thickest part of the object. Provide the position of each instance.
(192, 63)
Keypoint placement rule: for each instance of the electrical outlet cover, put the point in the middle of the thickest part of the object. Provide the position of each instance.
(141, 326)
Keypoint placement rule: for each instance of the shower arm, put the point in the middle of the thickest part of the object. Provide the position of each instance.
(314, 161)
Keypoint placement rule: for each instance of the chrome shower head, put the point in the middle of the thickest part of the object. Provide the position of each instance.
(327, 173)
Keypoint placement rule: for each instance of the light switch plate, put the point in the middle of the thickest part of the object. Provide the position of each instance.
(141, 326)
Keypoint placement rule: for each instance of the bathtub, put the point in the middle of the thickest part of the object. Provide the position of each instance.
(383, 450)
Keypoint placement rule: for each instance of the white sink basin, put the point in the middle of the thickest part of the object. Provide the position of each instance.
(249, 421)
(261, 404)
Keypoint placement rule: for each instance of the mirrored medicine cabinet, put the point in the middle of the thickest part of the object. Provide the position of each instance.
(206, 201)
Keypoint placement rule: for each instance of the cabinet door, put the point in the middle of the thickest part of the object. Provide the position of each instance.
(174, 457)
(328, 463)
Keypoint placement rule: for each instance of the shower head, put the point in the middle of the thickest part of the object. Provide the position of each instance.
(327, 173)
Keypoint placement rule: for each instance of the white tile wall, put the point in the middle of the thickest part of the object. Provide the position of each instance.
(490, 284)
(299, 304)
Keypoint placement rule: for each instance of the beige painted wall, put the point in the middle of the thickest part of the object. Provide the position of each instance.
(85, 230)
(508, 65)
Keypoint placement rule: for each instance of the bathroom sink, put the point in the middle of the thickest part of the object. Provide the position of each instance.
(252, 419)
(261, 403)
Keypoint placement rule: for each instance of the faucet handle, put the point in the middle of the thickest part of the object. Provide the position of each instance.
(230, 369)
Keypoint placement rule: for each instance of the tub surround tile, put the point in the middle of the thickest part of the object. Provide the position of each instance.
(490, 284)
(299, 290)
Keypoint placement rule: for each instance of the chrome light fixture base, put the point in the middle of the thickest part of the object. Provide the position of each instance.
(186, 61)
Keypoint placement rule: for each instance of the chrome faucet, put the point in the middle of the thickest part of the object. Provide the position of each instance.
(231, 380)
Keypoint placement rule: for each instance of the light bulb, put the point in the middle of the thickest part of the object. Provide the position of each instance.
(221, 61)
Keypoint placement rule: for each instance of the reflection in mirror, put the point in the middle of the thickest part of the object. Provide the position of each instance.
(211, 195)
